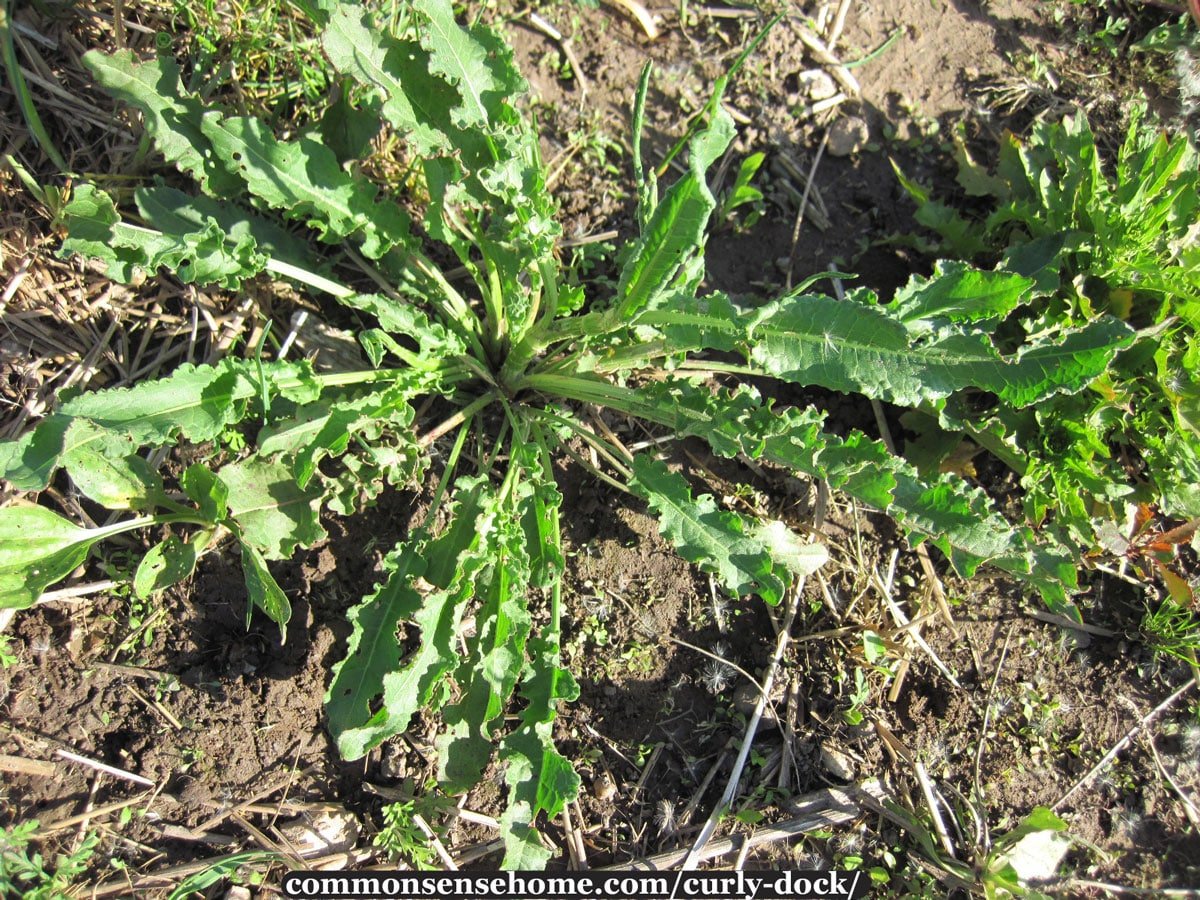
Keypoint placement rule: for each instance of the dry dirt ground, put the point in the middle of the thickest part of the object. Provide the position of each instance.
(226, 724)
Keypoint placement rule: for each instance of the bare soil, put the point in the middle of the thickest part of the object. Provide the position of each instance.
(217, 716)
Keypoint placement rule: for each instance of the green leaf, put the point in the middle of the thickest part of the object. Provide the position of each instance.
(196, 403)
(912, 352)
(788, 549)
(852, 346)
(373, 652)
(539, 778)
(415, 102)
(204, 254)
(171, 118)
(327, 427)
(172, 211)
(303, 179)
(207, 491)
(1040, 818)
(459, 57)
(957, 292)
(963, 237)
(410, 688)
(450, 93)
(263, 591)
(720, 542)
(168, 562)
(472, 515)
(347, 129)
(743, 191)
(434, 341)
(960, 520)
(272, 511)
(489, 672)
(1043, 259)
(712, 322)
(456, 561)
(28, 462)
(37, 548)
(539, 515)
(676, 228)
(105, 467)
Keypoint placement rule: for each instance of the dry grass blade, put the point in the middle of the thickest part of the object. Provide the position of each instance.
(99, 811)
(822, 54)
(839, 24)
(77, 591)
(1189, 807)
(19, 765)
(695, 854)
(808, 186)
(1125, 741)
(568, 51)
(1046, 616)
(935, 813)
(694, 802)
(435, 842)
(640, 14)
(16, 78)
(811, 812)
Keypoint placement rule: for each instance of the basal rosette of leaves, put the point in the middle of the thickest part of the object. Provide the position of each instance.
(513, 358)
(1098, 240)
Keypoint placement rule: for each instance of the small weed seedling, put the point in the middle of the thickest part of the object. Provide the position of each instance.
(511, 367)
(29, 875)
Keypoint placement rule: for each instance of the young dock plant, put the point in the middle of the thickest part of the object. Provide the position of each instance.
(1098, 238)
(516, 360)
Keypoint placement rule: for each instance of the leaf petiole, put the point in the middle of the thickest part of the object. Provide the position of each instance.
(458, 418)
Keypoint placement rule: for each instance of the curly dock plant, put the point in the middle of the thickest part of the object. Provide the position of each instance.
(513, 362)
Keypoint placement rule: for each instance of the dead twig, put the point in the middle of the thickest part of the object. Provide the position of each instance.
(96, 813)
(987, 717)
(211, 822)
(1045, 616)
(436, 841)
(650, 763)
(575, 846)
(104, 767)
(19, 765)
(698, 794)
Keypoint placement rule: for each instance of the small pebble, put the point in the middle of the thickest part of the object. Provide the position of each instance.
(745, 699)
(818, 84)
(908, 130)
(603, 787)
(393, 764)
(325, 830)
(837, 764)
(848, 135)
